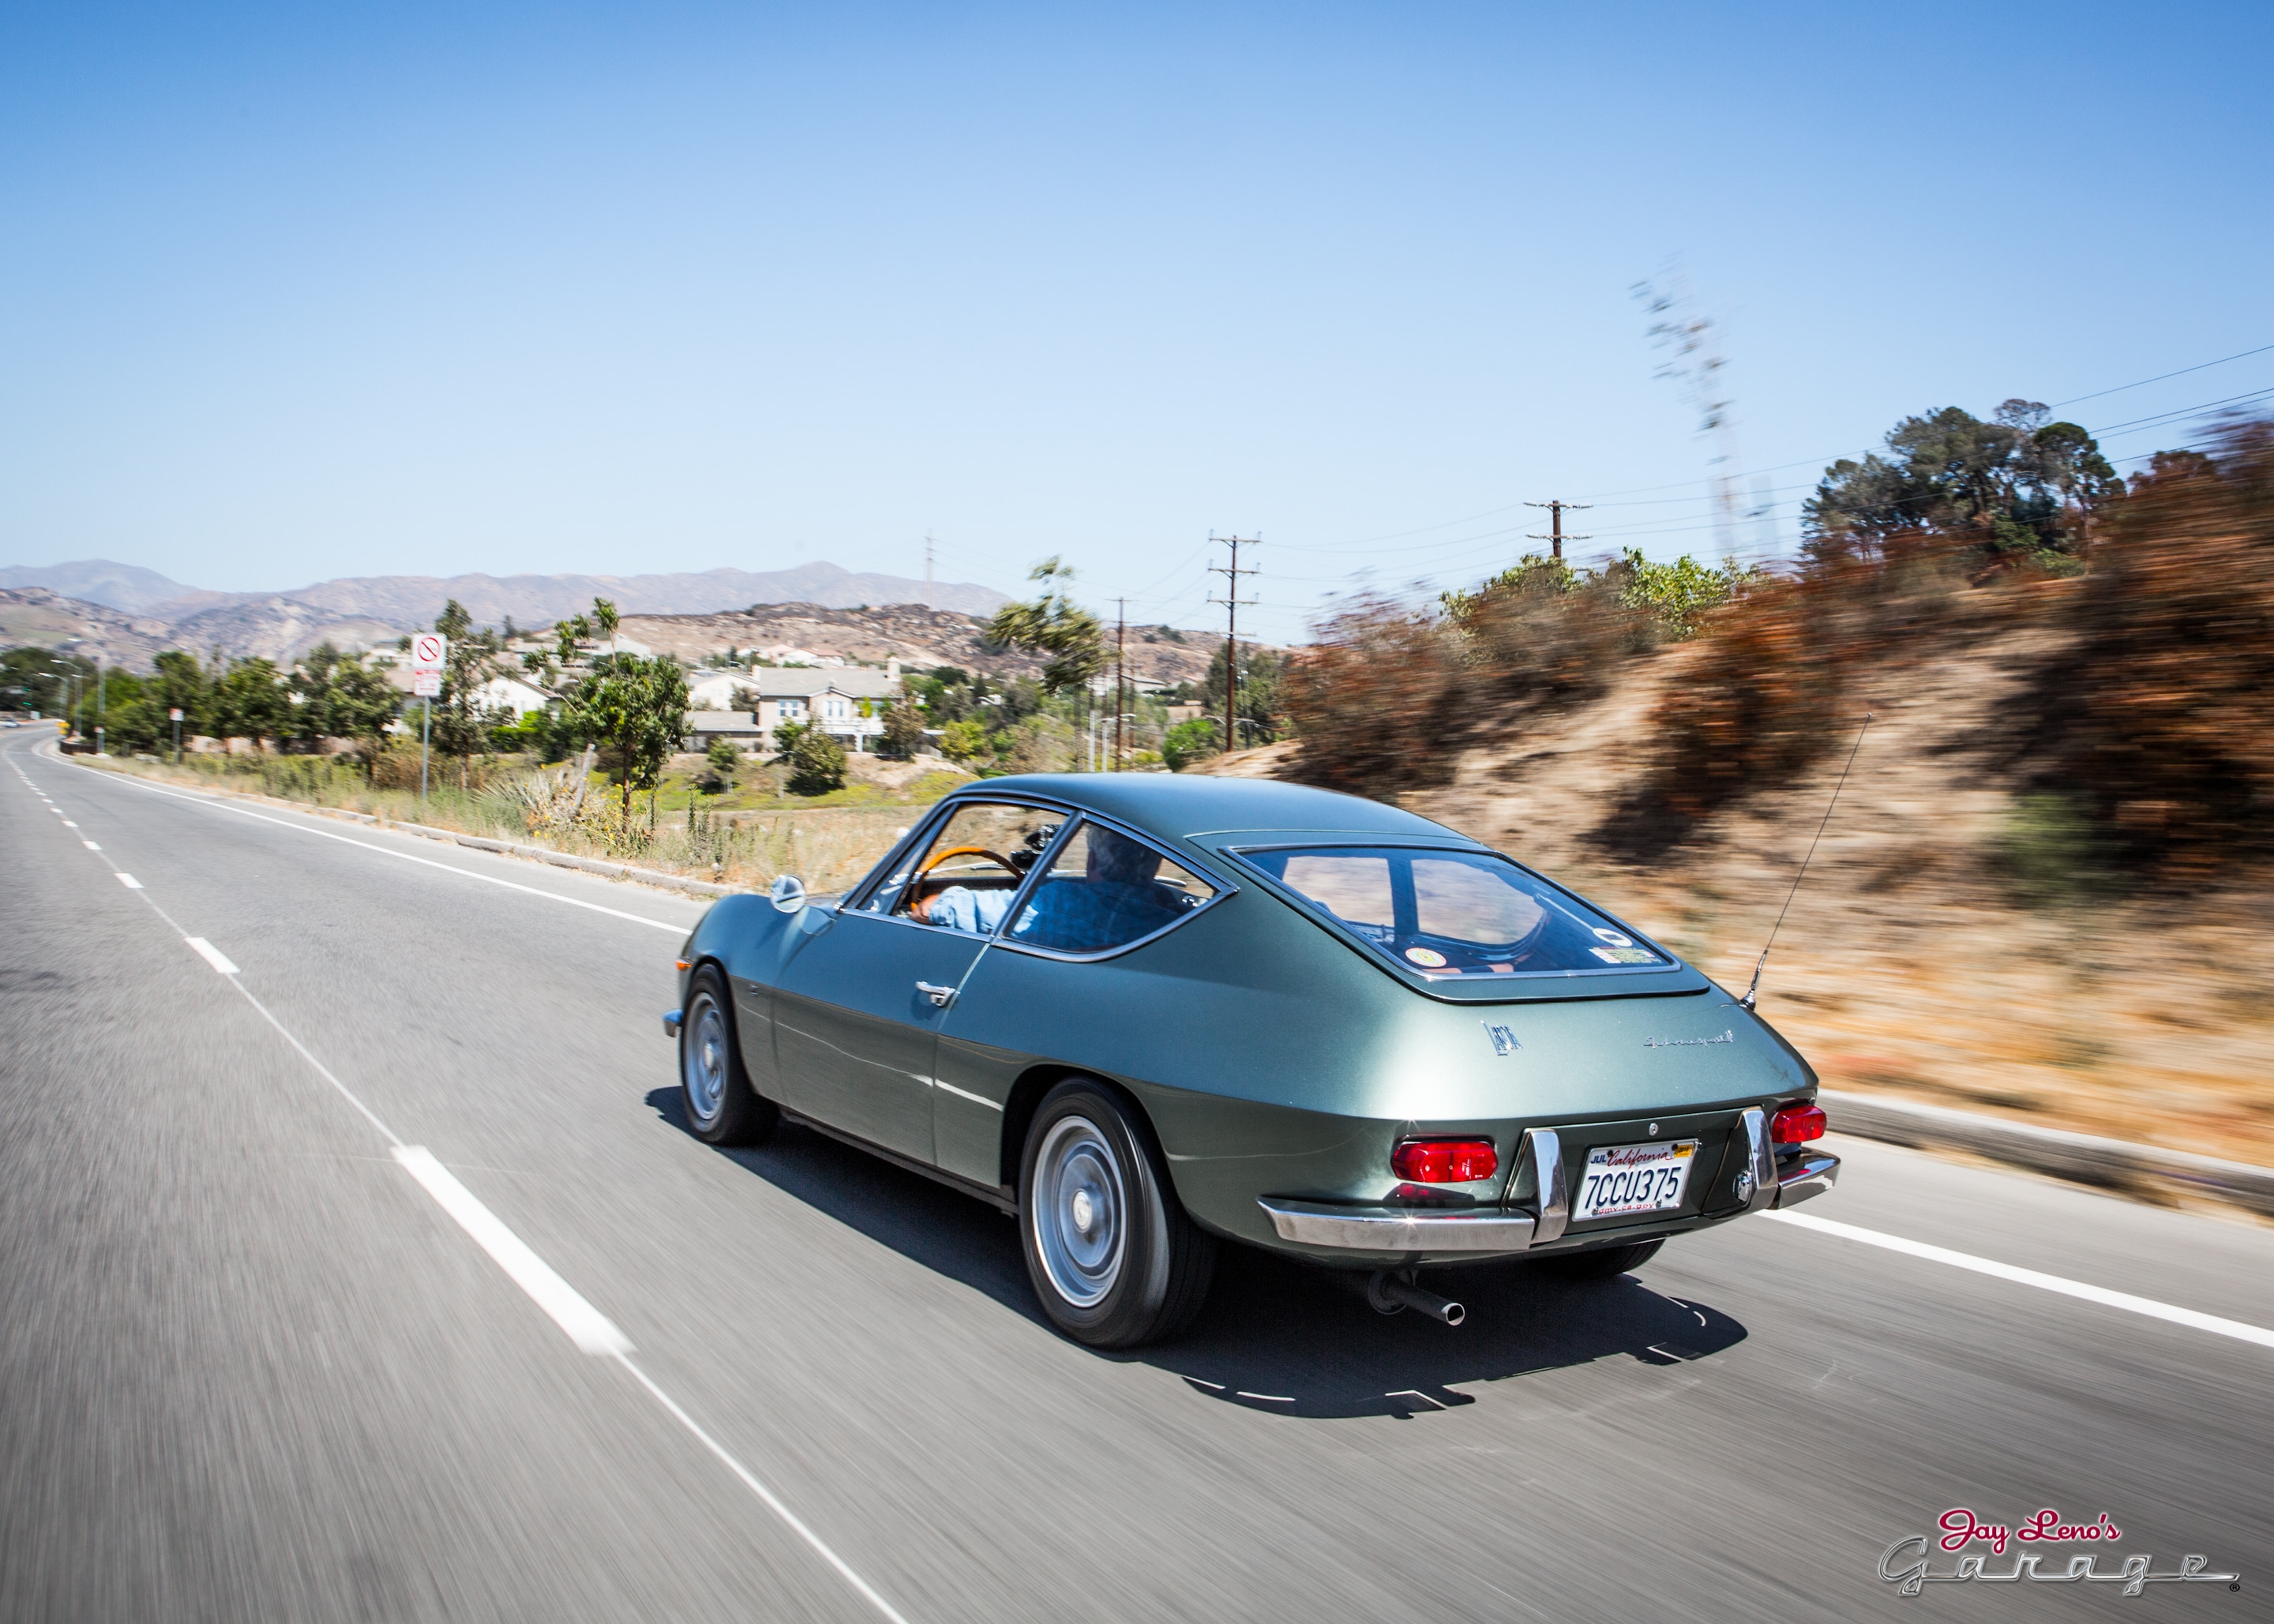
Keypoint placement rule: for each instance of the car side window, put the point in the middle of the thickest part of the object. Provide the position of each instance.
(1105, 891)
(971, 869)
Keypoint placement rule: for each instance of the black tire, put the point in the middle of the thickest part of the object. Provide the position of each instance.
(1604, 1262)
(1112, 1256)
(722, 1107)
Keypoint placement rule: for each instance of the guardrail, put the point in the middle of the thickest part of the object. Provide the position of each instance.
(2114, 1164)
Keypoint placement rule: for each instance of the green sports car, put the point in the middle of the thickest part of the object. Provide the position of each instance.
(1150, 1014)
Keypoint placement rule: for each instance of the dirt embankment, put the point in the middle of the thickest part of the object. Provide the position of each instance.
(1949, 944)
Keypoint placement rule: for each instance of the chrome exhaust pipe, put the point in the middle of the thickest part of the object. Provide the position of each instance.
(1390, 1293)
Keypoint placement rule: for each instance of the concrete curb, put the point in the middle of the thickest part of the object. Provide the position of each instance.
(2113, 1164)
(482, 843)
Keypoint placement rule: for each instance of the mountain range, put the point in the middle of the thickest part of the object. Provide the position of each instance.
(410, 602)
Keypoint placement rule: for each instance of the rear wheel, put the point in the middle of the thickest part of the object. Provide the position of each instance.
(1113, 1258)
(1604, 1262)
(721, 1105)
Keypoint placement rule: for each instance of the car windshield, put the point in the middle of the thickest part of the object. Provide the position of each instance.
(1456, 912)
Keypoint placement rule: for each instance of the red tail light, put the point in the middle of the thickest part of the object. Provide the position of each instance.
(1444, 1161)
(1797, 1125)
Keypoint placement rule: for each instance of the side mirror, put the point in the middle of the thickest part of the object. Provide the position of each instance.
(788, 893)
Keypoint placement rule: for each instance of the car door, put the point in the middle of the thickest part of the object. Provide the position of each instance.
(857, 1009)
(1065, 979)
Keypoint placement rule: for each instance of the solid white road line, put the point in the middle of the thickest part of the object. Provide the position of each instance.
(487, 879)
(587, 1326)
(2077, 1288)
(127, 880)
(211, 954)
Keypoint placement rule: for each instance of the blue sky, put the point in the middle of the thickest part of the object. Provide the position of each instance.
(295, 293)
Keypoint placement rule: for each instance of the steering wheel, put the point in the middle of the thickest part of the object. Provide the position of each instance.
(938, 858)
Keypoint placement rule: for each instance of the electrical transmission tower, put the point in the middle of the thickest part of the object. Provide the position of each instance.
(1555, 511)
(1231, 601)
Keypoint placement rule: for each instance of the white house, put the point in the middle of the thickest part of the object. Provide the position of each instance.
(512, 693)
(848, 702)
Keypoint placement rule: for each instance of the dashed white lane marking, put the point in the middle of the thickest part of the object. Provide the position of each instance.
(587, 1326)
(90, 846)
(487, 879)
(211, 954)
(69, 824)
(127, 880)
(592, 1330)
(2077, 1288)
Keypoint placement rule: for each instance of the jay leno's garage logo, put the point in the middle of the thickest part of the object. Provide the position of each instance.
(1909, 1563)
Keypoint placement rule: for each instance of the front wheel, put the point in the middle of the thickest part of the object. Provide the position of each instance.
(1113, 1258)
(1603, 1262)
(721, 1105)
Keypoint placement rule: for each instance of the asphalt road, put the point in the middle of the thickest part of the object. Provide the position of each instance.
(251, 1368)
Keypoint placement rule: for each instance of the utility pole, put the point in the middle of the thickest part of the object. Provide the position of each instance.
(1120, 654)
(102, 672)
(1232, 600)
(1556, 512)
(928, 603)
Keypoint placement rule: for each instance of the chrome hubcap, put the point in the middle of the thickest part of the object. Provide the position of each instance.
(1079, 1205)
(703, 1060)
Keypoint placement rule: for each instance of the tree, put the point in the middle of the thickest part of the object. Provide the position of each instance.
(462, 725)
(249, 702)
(348, 700)
(964, 742)
(1052, 625)
(604, 617)
(1677, 595)
(2002, 486)
(1190, 742)
(816, 761)
(636, 709)
(1259, 693)
(904, 729)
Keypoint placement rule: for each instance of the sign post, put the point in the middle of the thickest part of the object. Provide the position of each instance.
(176, 713)
(430, 651)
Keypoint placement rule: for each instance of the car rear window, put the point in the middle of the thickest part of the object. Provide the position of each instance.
(1447, 913)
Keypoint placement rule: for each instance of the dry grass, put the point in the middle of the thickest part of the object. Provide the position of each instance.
(828, 848)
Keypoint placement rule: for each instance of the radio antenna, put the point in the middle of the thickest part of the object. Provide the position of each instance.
(1753, 991)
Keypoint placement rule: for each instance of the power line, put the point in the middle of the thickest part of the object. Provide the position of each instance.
(2159, 377)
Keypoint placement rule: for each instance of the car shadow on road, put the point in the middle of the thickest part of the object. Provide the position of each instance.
(1277, 1336)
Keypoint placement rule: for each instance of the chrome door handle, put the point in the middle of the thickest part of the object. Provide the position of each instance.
(940, 997)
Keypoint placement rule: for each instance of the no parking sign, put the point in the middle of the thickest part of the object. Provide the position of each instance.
(429, 652)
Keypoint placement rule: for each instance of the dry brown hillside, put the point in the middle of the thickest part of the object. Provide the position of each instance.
(1935, 949)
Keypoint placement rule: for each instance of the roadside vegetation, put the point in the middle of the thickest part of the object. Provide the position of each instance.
(2148, 714)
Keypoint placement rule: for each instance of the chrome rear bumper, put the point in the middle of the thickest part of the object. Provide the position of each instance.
(1383, 1229)
(1814, 1173)
(1506, 1230)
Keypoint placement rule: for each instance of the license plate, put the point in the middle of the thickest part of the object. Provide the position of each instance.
(1621, 1179)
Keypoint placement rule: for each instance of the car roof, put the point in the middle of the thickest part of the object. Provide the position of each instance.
(1178, 806)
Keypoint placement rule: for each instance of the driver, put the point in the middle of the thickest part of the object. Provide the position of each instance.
(960, 907)
(1118, 898)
